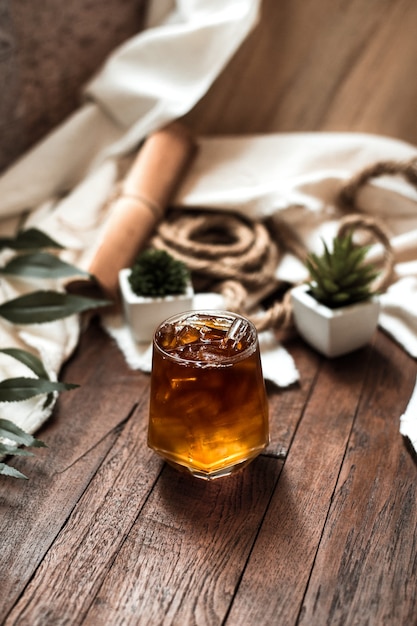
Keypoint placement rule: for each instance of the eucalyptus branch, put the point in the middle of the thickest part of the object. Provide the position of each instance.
(30, 239)
(10, 432)
(36, 307)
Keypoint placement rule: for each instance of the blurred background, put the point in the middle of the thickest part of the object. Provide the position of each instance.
(307, 66)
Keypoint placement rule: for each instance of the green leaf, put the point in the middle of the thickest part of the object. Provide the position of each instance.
(326, 255)
(359, 292)
(40, 265)
(317, 268)
(348, 280)
(46, 306)
(368, 273)
(48, 400)
(322, 264)
(29, 239)
(12, 451)
(341, 276)
(330, 286)
(10, 430)
(341, 297)
(35, 364)
(6, 470)
(27, 358)
(21, 388)
(356, 258)
(318, 292)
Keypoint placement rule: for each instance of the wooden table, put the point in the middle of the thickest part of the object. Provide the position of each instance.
(321, 529)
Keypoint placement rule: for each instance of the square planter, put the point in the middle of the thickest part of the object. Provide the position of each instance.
(144, 314)
(334, 332)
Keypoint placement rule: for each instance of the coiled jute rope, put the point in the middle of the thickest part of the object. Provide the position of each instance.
(238, 257)
(225, 251)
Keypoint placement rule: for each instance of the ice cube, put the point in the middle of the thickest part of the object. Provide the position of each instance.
(209, 334)
(167, 336)
(187, 334)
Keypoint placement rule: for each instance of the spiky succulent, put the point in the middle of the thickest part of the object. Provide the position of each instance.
(341, 276)
(155, 273)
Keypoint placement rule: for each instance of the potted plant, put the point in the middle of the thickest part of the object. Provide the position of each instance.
(154, 288)
(336, 311)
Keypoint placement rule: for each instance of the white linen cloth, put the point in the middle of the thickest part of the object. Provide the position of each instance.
(150, 80)
(408, 421)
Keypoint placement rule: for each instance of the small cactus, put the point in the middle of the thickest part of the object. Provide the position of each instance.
(155, 273)
(340, 277)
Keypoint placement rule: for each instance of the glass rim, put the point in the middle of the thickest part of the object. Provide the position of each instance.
(208, 313)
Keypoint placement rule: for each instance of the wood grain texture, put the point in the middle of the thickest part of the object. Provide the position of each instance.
(286, 405)
(320, 66)
(76, 565)
(291, 532)
(183, 558)
(362, 549)
(366, 566)
(79, 436)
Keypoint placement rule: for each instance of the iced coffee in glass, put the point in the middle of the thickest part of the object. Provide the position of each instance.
(208, 404)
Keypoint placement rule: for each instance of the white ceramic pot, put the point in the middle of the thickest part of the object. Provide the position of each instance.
(144, 314)
(334, 332)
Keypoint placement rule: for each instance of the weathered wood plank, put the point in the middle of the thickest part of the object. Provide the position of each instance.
(81, 432)
(286, 405)
(75, 566)
(366, 567)
(274, 582)
(183, 558)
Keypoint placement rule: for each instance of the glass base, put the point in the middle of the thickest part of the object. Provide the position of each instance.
(212, 474)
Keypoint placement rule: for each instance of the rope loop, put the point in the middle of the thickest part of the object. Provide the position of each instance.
(348, 198)
(279, 315)
(377, 231)
(349, 192)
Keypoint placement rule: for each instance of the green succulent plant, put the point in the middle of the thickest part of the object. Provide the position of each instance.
(341, 276)
(155, 273)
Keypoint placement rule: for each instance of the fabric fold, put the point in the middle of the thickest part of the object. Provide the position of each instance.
(151, 79)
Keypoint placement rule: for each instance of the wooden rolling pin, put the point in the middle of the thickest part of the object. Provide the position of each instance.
(144, 196)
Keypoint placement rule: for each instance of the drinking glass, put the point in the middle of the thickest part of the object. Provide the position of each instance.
(208, 404)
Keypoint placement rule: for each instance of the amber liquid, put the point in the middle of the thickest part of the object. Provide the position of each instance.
(208, 405)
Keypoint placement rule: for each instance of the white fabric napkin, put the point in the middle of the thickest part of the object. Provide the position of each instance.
(408, 421)
(398, 316)
(150, 80)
